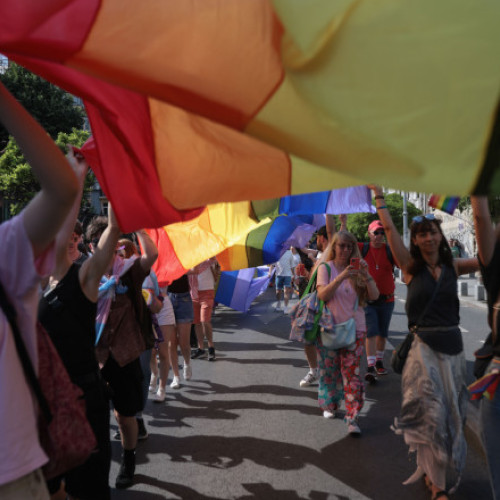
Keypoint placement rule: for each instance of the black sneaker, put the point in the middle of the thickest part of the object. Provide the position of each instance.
(211, 354)
(198, 353)
(371, 375)
(381, 370)
(125, 477)
(143, 433)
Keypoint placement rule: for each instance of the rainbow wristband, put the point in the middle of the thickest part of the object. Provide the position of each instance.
(383, 206)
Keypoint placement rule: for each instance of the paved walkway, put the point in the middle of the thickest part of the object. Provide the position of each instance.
(244, 429)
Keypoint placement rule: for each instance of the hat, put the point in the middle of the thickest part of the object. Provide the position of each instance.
(376, 224)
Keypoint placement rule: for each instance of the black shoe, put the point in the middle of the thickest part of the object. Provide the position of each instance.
(198, 353)
(143, 433)
(371, 375)
(211, 354)
(381, 370)
(125, 477)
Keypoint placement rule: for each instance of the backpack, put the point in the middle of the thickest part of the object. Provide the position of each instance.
(366, 248)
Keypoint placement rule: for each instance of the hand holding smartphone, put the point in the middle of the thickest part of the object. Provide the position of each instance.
(355, 263)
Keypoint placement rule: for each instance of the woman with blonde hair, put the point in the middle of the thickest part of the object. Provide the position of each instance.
(344, 287)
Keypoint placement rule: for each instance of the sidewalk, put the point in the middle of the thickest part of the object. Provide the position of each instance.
(242, 428)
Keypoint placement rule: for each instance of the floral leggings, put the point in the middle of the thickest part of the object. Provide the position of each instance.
(339, 376)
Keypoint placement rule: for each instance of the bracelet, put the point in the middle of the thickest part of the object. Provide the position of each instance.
(380, 197)
(369, 279)
(382, 206)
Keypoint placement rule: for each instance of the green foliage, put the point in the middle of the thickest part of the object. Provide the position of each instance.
(54, 108)
(18, 185)
(358, 224)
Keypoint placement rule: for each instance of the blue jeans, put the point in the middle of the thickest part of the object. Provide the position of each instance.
(490, 421)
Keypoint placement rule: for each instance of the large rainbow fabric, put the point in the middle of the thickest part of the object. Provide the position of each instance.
(238, 289)
(212, 101)
(241, 236)
(446, 204)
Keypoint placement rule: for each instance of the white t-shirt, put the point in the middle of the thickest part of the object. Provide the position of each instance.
(206, 280)
(20, 452)
(285, 265)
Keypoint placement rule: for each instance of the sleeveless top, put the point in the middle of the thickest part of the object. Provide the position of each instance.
(69, 318)
(180, 285)
(442, 312)
(491, 280)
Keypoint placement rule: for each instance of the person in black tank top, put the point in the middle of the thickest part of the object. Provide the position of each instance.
(67, 310)
(488, 242)
(434, 395)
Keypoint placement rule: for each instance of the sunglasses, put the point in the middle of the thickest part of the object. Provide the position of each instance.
(419, 218)
(377, 233)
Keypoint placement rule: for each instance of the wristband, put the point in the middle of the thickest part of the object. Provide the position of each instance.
(380, 197)
(382, 206)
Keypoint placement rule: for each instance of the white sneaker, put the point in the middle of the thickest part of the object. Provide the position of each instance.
(153, 383)
(308, 380)
(353, 428)
(328, 414)
(160, 395)
(175, 383)
(278, 307)
(187, 372)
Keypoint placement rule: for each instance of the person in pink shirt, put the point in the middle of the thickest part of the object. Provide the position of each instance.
(344, 290)
(26, 254)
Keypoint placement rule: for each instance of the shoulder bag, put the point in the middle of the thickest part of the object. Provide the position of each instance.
(342, 334)
(64, 431)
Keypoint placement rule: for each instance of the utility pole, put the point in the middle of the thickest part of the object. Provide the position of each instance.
(406, 238)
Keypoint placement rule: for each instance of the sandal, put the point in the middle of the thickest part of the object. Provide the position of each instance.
(440, 494)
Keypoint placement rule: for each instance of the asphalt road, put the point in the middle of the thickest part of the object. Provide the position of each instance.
(242, 428)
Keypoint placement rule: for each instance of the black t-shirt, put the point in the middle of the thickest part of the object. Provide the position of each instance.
(180, 285)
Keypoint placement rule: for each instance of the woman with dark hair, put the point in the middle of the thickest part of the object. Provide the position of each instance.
(434, 394)
(344, 290)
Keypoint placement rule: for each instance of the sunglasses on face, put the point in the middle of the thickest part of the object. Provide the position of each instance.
(419, 218)
(377, 233)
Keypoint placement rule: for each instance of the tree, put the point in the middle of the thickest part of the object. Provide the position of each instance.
(358, 224)
(17, 182)
(54, 108)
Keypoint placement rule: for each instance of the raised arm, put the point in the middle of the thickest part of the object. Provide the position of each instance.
(149, 250)
(80, 167)
(99, 262)
(330, 226)
(400, 252)
(485, 234)
(59, 187)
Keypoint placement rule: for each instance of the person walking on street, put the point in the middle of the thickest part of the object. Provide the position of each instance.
(283, 280)
(488, 244)
(379, 312)
(434, 395)
(343, 289)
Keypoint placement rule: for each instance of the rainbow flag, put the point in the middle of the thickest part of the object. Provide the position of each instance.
(446, 204)
(213, 101)
(238, 289)
(485, 386)
(242, 236)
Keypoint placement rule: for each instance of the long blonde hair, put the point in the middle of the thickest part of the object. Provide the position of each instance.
(330, 253)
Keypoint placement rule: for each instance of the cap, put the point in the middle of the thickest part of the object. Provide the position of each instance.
(376, 224)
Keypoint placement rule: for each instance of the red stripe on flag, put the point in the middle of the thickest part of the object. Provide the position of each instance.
(168, 266)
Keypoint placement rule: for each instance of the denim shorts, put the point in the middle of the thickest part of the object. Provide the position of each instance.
(283, 281)
(183, 307)
(378, 319)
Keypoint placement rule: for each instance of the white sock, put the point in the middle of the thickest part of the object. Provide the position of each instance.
(380, 355)
(371, 360)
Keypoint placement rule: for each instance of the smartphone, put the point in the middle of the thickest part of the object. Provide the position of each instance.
(355, 263)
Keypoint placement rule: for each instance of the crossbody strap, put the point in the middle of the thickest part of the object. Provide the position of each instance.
(22, 352)
(419, 320)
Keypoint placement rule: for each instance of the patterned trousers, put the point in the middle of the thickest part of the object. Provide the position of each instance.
(339, 378)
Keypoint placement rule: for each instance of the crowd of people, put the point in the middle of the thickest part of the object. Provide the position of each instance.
(119, 333)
